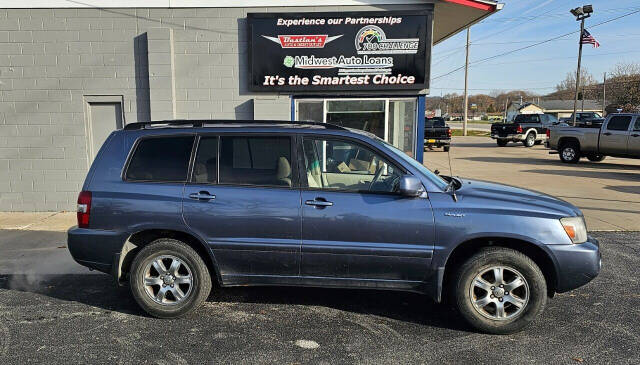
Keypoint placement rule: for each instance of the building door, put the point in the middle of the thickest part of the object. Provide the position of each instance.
(103, 117)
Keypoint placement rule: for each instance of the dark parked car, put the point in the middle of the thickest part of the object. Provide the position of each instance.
(529, 129)
(172, 207)
(436, 133)
(585, 119)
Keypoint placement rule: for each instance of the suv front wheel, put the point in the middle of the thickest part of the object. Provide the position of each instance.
(168, 278)
(500, 290)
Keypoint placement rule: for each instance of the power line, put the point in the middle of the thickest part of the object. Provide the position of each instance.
(535, 44)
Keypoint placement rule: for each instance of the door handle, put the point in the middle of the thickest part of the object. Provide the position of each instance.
(202, 195)
(606, 134)
(319, 203)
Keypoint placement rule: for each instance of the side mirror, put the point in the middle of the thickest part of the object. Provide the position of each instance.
(410, 186)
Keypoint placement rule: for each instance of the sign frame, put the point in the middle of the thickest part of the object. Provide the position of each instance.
(427, 11)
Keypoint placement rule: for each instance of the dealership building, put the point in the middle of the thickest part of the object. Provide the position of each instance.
(71, 72)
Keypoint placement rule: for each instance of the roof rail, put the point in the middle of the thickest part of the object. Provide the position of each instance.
(204, 123)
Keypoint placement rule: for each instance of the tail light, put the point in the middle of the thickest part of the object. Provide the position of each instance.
(519, 130)
(449, 133)
(548, 133)
(84, 209)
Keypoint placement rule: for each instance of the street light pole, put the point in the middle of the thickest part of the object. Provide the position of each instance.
(581, 13)
(575, 100)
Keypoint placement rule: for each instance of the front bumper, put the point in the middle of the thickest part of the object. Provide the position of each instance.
(576, 264)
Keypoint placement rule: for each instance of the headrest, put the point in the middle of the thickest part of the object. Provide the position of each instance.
(283, 169)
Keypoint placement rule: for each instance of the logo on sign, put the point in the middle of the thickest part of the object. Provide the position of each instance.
(372, 40)
(302, 41)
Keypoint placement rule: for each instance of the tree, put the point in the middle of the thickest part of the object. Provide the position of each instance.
(566, 89)
(623, 86)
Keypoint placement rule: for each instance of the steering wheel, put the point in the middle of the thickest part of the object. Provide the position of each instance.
(376, 177)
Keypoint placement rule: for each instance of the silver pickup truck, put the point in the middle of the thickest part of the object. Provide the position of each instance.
(619, 136)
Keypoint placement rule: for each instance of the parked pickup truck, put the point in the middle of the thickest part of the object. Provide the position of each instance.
(585, 119)
(529, 129)
(618, 136)
(436, 133)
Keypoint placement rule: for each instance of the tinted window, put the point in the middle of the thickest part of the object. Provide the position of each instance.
(161, 159)
(527, 118)
(434, 122)
(344, 165)
(552, 119)
(619, 123)
(636, 126)
(255, 160)
(205, 168)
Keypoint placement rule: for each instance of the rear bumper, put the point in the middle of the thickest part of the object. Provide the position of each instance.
(576, 265)
(509, 137)
(95, 248)
(437, 141)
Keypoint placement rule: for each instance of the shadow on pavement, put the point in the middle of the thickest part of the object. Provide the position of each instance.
(610, 175)
(100, 291)
(550, 162)
(631, 189)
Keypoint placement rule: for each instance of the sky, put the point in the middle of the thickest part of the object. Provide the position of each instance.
(537, 69)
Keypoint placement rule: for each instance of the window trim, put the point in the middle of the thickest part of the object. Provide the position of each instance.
(304, 184)
(134, 148)
(294, 157)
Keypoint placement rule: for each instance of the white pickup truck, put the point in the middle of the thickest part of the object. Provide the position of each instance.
(619, 136)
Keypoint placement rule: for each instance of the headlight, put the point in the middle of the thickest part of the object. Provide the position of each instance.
(576, 228)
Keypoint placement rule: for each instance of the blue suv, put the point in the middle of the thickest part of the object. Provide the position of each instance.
(172, 207)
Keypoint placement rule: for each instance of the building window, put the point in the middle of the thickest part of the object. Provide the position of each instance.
(392, 119)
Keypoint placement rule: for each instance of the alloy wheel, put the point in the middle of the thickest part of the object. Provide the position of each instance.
(499, 292)
(167, 280)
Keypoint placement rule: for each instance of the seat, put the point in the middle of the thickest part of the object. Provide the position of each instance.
(283, 171)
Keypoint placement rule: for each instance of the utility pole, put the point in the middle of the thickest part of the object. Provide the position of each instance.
(466, 84)
(581, 13)
(604, 93)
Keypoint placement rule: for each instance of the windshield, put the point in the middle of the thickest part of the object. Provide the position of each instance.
(435, 179)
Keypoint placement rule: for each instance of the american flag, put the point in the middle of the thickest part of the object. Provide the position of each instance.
(587, 38)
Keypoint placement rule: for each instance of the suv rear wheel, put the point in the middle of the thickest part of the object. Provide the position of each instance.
(168, 278)
(500, 290)
(570, 152)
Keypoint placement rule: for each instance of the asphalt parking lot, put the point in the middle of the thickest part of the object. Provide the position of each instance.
(608, 192)
(53, 310)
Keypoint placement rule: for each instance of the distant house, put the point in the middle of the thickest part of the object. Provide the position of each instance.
(516, 108)
(564, 108)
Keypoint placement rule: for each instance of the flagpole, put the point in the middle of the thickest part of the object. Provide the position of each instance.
(575, 100)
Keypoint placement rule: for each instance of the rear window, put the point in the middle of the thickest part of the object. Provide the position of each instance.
(434, 122)
(260, 161)
(162, 159)
(527, 118)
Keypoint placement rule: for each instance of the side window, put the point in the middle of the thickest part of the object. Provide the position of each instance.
(619, 123)
(552, 119)
(343, 165)
(162, 159)
(636, 126)
(205, 168)
(260, 161)
(544, 119)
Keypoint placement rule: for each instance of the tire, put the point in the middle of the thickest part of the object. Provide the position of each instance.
(532, 293)
(569, 152)
(529, 140)
(191, 266)
(596, 158)
(446, 148)
(502, 142)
